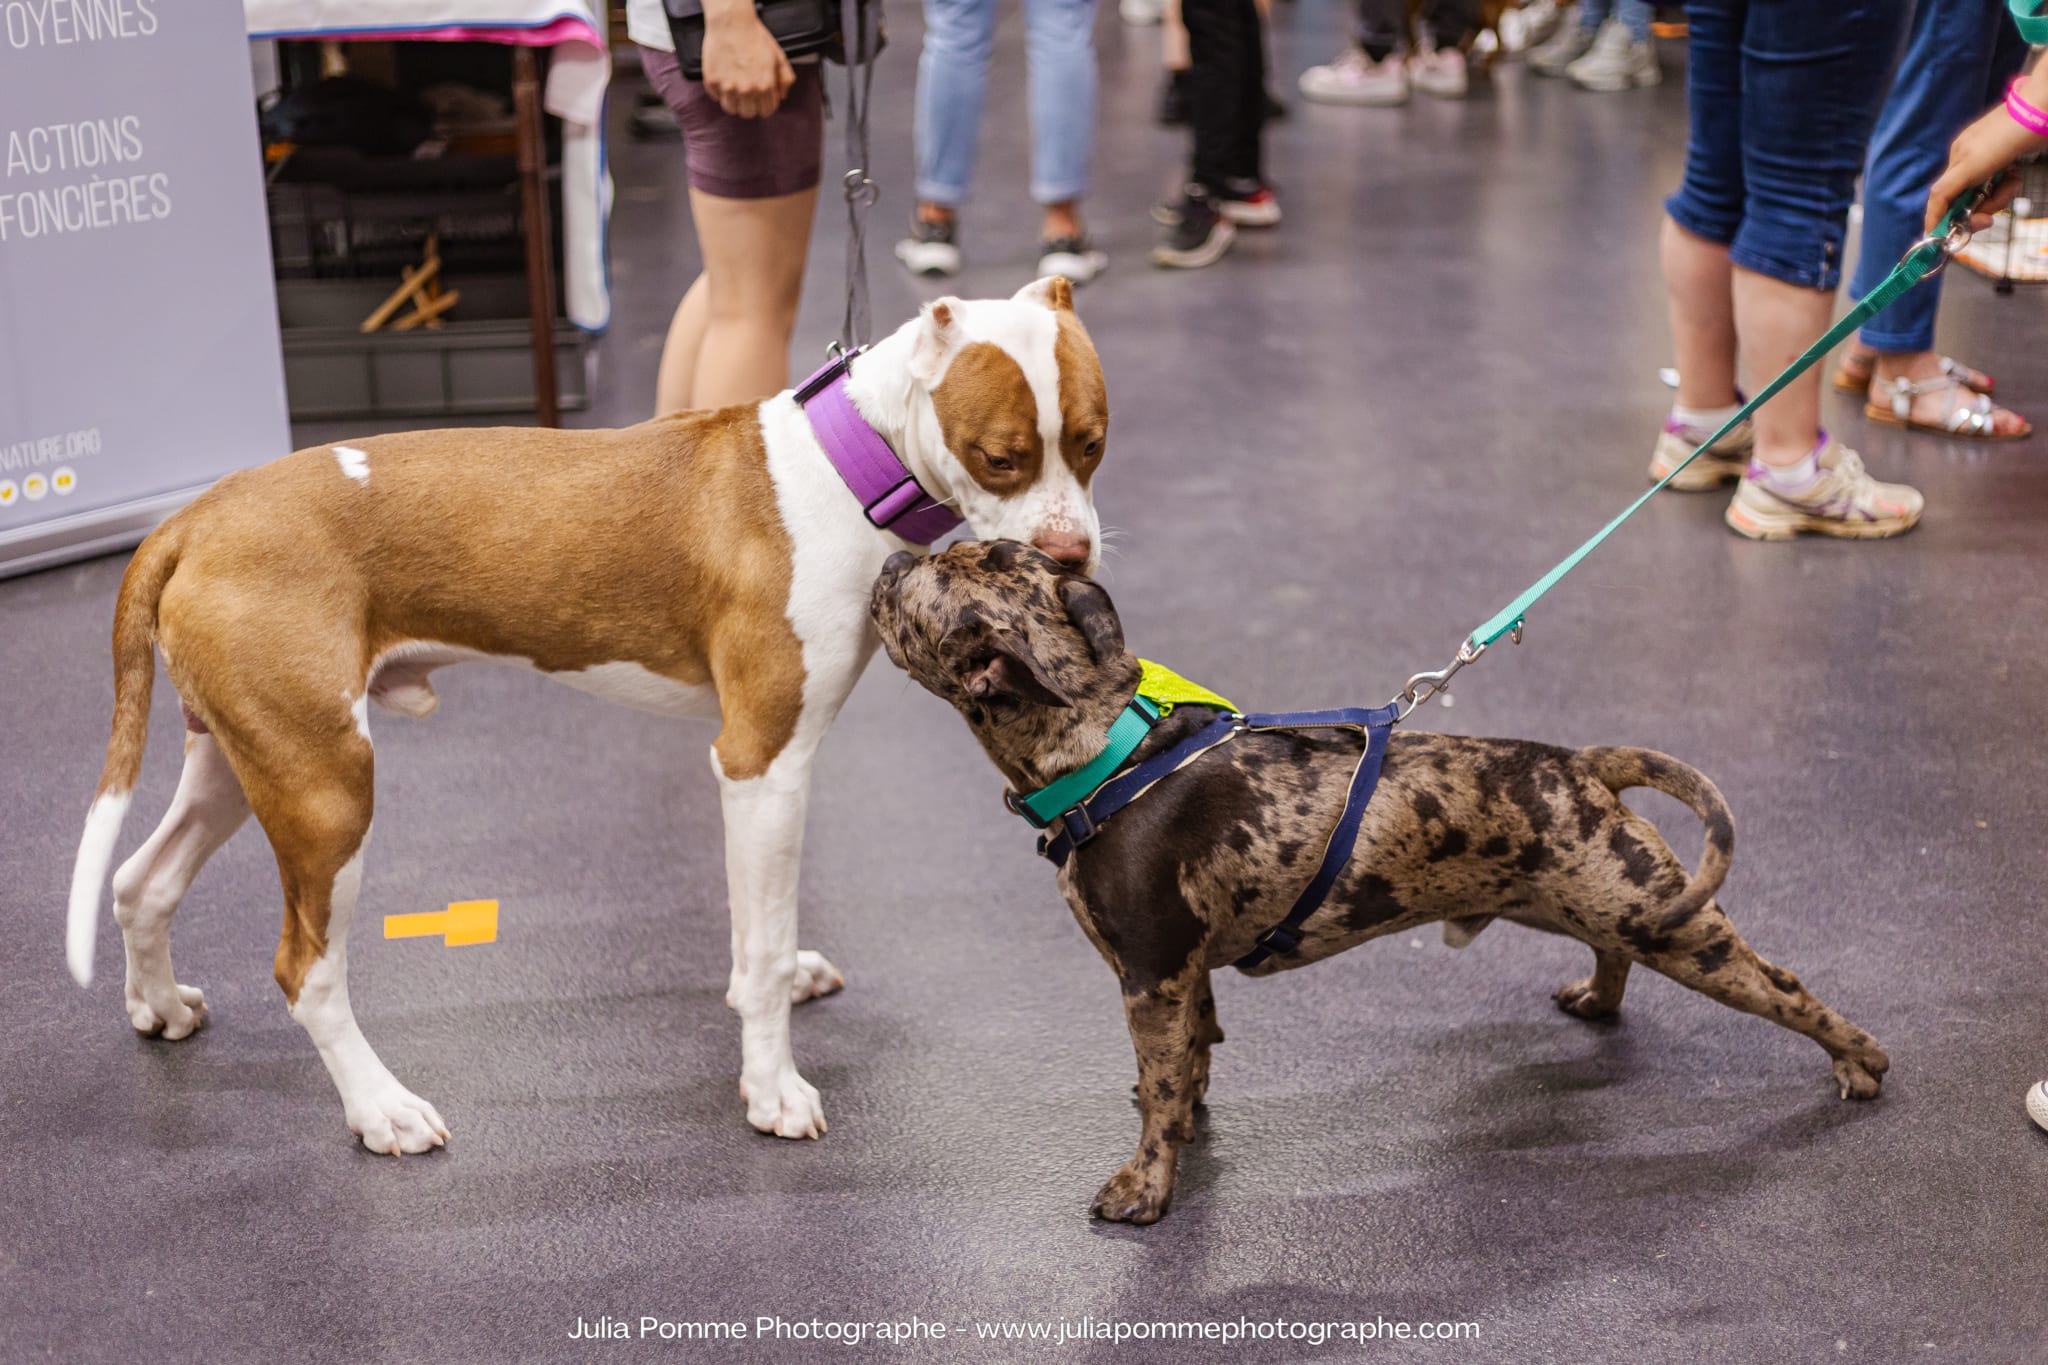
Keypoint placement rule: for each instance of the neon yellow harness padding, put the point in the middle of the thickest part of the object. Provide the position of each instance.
(1168, 689)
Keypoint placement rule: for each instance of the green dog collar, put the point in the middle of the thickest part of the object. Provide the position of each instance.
(1160, 689)
(1049, 802)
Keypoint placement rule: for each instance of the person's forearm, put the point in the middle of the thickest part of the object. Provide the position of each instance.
(723, 12)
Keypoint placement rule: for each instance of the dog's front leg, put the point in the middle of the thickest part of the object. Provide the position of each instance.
(764, 839)
(1165, 1028)
(1208, 1033)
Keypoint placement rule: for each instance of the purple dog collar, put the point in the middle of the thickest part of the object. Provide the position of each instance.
(890, 494)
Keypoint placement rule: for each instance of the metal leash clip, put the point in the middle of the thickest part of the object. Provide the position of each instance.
(1948, 243)
(1423, 686)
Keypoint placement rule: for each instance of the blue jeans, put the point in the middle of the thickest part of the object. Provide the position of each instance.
(1958, 59)
(1635, 15)
(1783, 95)
(952, 75)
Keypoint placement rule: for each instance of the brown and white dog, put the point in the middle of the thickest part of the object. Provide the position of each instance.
(706, 564)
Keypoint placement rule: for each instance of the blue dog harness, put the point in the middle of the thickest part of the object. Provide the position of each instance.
(1067, 822)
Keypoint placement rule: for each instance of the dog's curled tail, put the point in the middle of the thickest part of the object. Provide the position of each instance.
(134, 677)
(1621, 768)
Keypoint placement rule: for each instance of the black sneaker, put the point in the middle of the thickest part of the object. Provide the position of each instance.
(1246, 203)
(1199, 238)
(1173, 100)
(929, 249)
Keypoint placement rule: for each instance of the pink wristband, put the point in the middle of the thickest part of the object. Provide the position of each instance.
(2024, 114)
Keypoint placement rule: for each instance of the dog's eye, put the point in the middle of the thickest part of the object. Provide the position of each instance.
(1002, 464)
(1093, 448)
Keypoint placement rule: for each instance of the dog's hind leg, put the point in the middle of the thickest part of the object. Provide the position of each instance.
(310, 786)
(1599, 995)
(208, 808)
(1709, 956)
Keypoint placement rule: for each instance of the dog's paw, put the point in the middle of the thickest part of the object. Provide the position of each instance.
(814, 977)
(1135, 1194)
(1862, 1078)
(788, 1107)
(1580, 1000)
(392, 1120)
(181, 1020)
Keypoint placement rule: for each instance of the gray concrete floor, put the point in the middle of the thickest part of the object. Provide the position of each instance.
(1333, 453)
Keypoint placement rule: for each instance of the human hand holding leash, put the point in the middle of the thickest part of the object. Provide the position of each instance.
(1989, 148)
(745, 69)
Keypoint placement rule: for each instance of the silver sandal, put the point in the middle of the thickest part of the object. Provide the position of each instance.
(1891, 401)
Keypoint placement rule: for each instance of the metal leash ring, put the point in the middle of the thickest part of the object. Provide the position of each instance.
(1947, 243)
(861, 189)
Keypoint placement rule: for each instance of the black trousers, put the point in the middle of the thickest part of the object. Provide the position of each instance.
(1383, 24)
(1226, 92)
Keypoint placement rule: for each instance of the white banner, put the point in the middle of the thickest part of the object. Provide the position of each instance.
(139, 354)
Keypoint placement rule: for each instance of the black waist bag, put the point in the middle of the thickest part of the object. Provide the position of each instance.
(803, 28)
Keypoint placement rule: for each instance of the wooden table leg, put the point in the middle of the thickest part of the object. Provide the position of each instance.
(540, 250)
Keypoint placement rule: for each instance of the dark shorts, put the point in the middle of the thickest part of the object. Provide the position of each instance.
(745, 158)
(1784, 94)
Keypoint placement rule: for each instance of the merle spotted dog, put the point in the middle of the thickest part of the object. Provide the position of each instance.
(1184, 880)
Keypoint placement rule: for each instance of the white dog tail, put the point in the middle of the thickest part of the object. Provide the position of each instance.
(134, 676)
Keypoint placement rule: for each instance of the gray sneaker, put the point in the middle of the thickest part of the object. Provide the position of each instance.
(1566, 46)
(1843, 501)
(1617, 62)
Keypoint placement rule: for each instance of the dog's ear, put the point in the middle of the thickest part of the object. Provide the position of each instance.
(1053, 291)
(1091, 611)
(939, 338)
(993, 664)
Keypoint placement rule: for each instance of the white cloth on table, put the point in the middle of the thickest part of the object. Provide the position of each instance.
(647, 25)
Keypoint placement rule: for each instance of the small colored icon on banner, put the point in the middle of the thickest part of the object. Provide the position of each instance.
(461, 924)
(34, 487)
(9, 493)
(63, 480)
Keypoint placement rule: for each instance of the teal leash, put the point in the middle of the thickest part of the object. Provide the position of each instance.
(2030, 21)
(1924, 258)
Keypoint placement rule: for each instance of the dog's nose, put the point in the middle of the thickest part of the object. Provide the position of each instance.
(1063, 548)
(893, 569)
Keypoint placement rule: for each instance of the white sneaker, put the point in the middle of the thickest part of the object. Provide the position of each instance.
(1566, 46)
(1616, 62)
(1440, 72)
(1075, 257)
(1524, 28)
(1141, 12)
(930, 248)
(1355, 78)
(2037, 1103)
